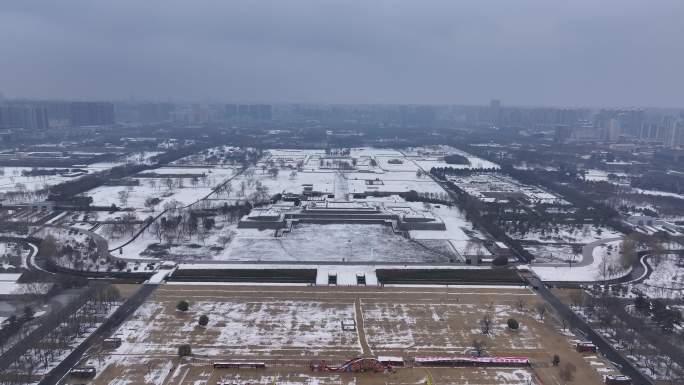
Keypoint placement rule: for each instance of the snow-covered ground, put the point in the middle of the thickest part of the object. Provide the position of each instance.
(433, 156)
(602, 176)
(333, 242)
(459, 232)
(596, 271)
(10, 286)
(551, 252)
(11, 177)
(561, 233)
(658, 193)
(183, 190)
(239, 327)
(426, 326)
(12, 180)
(392, 182)
(667, 278)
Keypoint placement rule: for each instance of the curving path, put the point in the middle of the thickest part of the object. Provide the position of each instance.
(584, 272)
(587, 254)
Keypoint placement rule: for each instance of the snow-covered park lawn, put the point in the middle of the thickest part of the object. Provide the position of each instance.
(606, 265)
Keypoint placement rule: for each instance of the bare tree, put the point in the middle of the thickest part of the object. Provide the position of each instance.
(650, 361)
(225, 239)
(628, 252)
(486, 324)
(123, 197)
(577, 297)
(479, 347)
(608, 269)
(156, 229)
(541, 311)
(520, 304)
(151, 203)
(567, 372)
(671, 374)
(576, 253)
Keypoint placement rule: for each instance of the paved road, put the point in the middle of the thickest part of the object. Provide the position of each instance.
(105, 330)
(604, 345)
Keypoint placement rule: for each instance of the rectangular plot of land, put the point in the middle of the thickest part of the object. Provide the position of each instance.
(240, 327)
(445, 327)
(338, 243)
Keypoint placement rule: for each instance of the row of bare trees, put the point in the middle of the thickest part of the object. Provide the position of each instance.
(56, 335)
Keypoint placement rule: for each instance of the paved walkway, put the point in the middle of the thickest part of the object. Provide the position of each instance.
(361, 328)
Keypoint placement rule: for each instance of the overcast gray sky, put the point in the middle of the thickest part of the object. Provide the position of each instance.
(525, 52)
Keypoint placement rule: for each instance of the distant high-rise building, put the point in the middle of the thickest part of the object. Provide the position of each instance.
(495, 112)
(91, 113)
(630, 121)
(230, 111)
(264, 112)
(155, 112)
(248, 113)
(613, 130)
(24, 116)
(417, 116)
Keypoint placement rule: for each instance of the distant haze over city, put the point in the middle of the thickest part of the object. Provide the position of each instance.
(579, 53)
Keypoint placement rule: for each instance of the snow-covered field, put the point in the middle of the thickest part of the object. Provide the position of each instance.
(440, 326)
(332, 242)
(12, 180)
(392, 182)
(288, 327)
(551, 252)
(10, 287)
(239, 327)
(657, 193)
(287, 181)
(603, 176)
(433, 156)
(183, 190)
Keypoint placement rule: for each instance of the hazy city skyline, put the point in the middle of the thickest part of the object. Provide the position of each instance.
(612, 53)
